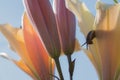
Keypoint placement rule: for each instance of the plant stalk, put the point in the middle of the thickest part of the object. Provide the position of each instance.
(70, 66)
(59, 68)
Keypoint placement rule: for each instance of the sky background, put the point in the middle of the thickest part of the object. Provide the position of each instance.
(11, 12)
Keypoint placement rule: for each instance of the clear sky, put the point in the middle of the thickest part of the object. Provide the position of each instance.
(11, 12)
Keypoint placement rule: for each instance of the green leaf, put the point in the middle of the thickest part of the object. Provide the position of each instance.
(116, 1)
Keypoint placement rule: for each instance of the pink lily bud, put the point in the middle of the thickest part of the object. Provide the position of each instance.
(66, 26)
(41, 15)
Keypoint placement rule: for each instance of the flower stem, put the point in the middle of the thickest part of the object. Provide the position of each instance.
(54, 76)
(69, 62)
(59, 68)
(71, 65)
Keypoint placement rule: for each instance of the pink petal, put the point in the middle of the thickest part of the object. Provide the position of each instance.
(43, 19)
(66, 26)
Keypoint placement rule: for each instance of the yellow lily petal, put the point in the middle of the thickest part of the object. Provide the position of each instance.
(19, 63)
(24, 67)
(85, 18)
(16, 41)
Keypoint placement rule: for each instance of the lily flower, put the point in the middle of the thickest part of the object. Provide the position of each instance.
(104, 53)
(42, 17)
(34, 58)
(56, 28)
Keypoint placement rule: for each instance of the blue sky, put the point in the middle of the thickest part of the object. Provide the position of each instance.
(11, 12)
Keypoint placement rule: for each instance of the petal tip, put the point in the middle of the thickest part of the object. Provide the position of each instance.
(6, 56)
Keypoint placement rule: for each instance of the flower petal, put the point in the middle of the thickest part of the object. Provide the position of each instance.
(77, 45)
(41, 15)
(94, 55)
(24, 67)
(85, 18)
(19, 63)
(36, 50)
(66, 26)
(101, 8)
(108, 40)
(16, 41)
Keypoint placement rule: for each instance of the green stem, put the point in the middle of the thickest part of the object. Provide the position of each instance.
(70, 67)
(54, 76)
(59, 68)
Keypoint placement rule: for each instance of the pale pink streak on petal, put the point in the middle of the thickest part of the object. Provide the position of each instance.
(66, 25)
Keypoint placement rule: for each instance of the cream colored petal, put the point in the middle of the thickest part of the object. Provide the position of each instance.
(85, 18)
(94, 49)
(100, 9)
(103, 11)
(94, 55)
(92, 59)
(77, 45)
(108, 39)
